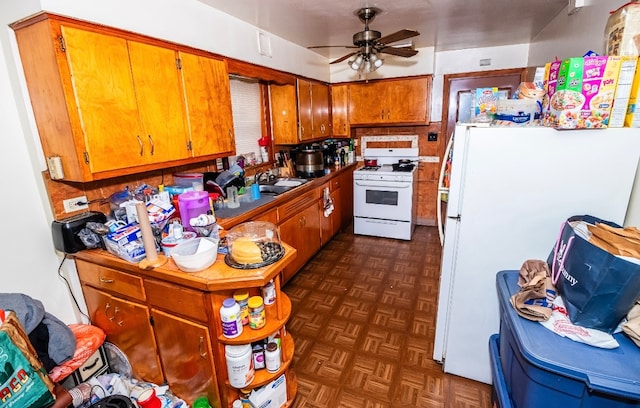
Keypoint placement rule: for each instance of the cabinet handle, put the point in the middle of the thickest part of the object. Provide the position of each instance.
(201, 349)
(382, 114)
(105, 280)
(141, 145)
(106, 312)
(388, 114)
(153, 146)
(119, 322)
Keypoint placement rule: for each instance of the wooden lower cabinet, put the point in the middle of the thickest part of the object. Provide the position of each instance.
(187, 356)
(128, 326)
(168, 323)
(300, 225)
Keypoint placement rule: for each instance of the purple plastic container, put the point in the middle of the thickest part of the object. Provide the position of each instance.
(192, 204)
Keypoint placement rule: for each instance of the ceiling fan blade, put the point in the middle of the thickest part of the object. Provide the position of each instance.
(399, 51)
(344, 57)
(331, 46)
(398, 36)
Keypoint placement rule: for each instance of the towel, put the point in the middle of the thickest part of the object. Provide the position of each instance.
(327, 202)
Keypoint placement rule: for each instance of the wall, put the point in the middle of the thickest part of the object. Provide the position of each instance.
(30, 261)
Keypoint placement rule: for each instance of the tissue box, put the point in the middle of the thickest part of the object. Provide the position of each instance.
(272, 395)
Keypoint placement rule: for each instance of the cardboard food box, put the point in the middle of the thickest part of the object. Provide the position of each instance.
(584, 92)
(126, 242)
(632, 117)
(272, 395)
(485, 104)
(628, 67)
(549, 83)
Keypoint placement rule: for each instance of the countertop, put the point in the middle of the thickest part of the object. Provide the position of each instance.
(251, 209)
(217, 277)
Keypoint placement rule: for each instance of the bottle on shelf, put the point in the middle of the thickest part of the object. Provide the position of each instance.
(231, 318)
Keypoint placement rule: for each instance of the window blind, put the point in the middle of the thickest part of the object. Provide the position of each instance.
(247, 108)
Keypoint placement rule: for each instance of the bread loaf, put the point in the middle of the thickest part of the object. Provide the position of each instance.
(245, 251)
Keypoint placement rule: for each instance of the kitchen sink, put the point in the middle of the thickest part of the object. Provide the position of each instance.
(280, 185)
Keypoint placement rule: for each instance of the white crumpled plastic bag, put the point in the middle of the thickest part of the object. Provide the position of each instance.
(560, 324)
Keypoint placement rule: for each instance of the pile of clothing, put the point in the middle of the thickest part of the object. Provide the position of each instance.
(53, 340)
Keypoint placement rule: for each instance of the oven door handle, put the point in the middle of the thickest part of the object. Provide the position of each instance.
(385, 184)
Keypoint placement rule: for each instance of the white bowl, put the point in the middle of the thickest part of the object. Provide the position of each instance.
(195, 254)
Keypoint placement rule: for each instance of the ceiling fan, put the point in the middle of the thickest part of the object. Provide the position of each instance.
(370, 43)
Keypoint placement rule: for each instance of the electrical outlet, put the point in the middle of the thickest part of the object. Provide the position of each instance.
(432, 137)
(75, 204)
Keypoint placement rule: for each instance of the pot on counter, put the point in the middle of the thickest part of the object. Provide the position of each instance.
(370, 162)
(309, 163)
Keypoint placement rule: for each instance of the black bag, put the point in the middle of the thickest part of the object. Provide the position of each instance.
(598, 288)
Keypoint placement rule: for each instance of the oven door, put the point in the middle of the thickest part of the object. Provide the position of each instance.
(387, 200)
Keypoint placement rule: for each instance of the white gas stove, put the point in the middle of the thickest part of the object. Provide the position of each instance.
(383, 195)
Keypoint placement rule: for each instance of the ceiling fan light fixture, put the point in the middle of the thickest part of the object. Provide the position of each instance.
(357, 62)
(376, 62)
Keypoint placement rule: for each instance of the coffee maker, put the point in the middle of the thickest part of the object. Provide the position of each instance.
(329, 153)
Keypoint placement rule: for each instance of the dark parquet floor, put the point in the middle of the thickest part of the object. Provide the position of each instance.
(363, 323)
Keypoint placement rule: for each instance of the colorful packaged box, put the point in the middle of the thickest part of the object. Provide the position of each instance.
(584, 92)
(632, 118)
(550, 82)
(623, 91)
(485, 104)
(126, 242)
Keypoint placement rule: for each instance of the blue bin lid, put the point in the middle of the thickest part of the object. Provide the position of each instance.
(611, 371)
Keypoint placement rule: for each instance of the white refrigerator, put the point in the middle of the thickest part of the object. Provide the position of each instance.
(510, 190)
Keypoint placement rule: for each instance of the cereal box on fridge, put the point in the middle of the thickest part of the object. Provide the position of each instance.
(632, 118)
(623, 91)
(549, 84)
(584, 92)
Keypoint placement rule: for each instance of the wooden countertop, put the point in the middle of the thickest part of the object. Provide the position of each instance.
(228, 223)
(217, 277)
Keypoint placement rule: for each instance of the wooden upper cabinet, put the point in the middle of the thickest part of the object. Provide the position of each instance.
(208, 97)
(403, 100)
(110, 103)
(339, 110)
(284, 114)
(320, 109)
(305, 110)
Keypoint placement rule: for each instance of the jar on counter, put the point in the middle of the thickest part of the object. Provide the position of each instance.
(272, 357)
(269, 293)
(231, 319)
(257, 317)
(241, 296)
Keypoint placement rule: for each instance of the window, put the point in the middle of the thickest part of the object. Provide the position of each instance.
(247, 112)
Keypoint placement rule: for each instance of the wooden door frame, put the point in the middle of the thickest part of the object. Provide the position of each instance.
(447, 104)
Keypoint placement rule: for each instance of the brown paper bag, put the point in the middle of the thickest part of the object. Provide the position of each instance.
(616, 241)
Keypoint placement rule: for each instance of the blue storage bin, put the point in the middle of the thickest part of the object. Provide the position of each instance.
(543, 369)
(499, 395)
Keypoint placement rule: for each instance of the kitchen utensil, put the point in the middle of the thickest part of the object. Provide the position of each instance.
(309, 163)
(195, 254)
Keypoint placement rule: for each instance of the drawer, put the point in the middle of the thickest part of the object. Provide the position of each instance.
(187, 302)
(110, 279)
(95, 365)
(299, 204)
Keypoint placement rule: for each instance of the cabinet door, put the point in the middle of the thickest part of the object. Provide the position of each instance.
(407, 100)
(208, 98)
(339, 110)
(346, 197)
(284, 117)
(127, 325)
(331, 224)
(187, 357)
(302, 231)
(305, 112)
(160, 101)
(105, 98)
(320, 109)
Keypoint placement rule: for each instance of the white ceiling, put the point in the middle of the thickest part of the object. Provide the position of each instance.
(443, 24)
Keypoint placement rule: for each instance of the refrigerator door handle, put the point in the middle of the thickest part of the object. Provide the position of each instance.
(457, 217)
(442, 189)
